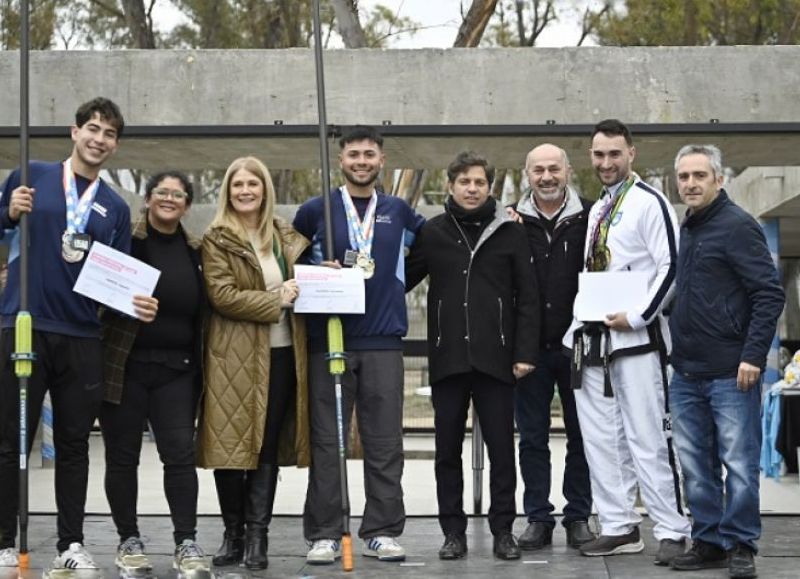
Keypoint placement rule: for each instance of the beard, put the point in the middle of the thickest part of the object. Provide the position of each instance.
(369, 179)
(549, 196)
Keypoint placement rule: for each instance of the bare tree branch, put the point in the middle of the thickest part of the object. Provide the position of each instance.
(540, 21)
(136, 18)
(348, 24)
(523, 37)
(110, 9)
(474, 24)
(590, 20)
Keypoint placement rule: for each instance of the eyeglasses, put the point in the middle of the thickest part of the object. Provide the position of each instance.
(174, 193)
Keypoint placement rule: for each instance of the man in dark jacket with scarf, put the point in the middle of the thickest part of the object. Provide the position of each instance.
(727, 303)
(555, 219)
(483, 325)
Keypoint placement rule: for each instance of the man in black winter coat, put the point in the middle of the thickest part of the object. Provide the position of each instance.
(555, 220)
(483, 325)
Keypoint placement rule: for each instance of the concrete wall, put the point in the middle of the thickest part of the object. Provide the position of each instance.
(429, 86)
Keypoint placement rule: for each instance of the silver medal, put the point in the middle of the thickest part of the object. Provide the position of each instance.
(70, 254)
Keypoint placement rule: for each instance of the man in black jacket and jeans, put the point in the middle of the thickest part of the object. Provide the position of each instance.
(727, 302)
(483, 324)
(555, 219)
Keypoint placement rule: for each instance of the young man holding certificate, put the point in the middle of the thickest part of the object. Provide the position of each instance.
(68, 208)
(371, 231)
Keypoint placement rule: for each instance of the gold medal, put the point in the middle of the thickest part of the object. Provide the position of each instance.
(366, 264)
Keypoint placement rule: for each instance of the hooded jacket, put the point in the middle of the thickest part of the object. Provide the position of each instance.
(483, 311)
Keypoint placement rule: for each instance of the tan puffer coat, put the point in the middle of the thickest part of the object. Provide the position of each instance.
(231, 428)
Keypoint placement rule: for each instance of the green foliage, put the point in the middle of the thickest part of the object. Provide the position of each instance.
(242, 24)
(43, 18)
(273, 24)
(698, 22)
(382, 23)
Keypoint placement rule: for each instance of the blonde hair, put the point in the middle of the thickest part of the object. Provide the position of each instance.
(226, 216)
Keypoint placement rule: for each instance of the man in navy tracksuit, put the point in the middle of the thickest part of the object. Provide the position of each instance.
(68, 208)
(371, 231)
(727, 302)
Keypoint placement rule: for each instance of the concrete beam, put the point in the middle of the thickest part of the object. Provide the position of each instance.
(417, 87)
(140, 149)
(437, 101)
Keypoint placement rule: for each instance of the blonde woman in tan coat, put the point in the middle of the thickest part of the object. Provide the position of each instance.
(255, 405)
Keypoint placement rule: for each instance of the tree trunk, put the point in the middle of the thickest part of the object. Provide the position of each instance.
(136, 17)
(347, 23)
(471, 30)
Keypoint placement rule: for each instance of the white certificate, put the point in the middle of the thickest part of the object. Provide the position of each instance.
(607, 292)
(325, 290)
(112, 278)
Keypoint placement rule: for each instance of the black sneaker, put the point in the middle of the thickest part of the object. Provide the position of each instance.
(505, 546)
(536, 536)
(455, 547)
(668, 549)
(702, 555)
(614, 545)
(740, 562)
(578, 533)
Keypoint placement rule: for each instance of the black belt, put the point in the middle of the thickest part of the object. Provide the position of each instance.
(591, 345)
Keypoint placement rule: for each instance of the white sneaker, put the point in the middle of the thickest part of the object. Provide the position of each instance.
(76, 557)
(384, 548)
(189, 556)
(9, 557)
(324, 552)
(131, 555)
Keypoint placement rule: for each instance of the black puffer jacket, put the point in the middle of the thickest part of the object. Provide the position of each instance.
(483, 309)
(558, 262)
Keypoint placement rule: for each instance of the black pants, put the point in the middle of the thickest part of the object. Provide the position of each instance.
(166, 397)
(534, 394)
(71, 368)
(280, 401)
(494, 402)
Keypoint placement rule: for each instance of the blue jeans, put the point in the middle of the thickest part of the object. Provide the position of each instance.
(715, 424)
(534, 394)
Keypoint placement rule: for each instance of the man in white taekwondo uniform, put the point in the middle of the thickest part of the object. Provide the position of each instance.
(619, 366)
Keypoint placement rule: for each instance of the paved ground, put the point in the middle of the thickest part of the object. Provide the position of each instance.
(780, 546)
(781, 496)
(779, 558)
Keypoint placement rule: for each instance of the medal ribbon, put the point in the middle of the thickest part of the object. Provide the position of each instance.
(361, 233)
(77, 208)
(603, 224)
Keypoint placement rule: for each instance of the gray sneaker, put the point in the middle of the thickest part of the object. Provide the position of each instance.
(668, 550)
(131, 555)
(190, 557)
(614, 545)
